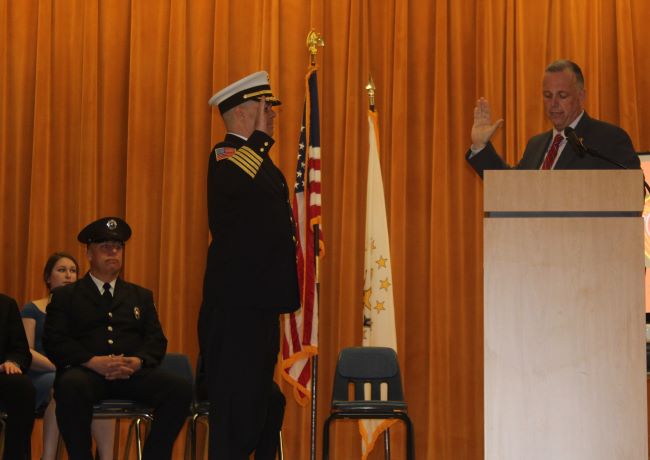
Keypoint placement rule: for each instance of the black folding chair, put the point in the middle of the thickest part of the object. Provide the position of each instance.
(374, 366)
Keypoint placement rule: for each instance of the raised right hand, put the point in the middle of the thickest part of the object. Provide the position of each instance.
(483, 128)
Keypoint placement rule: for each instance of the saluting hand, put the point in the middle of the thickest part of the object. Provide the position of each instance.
(483, 128)
(264, 117)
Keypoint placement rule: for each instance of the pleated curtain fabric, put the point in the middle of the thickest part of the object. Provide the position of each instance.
(104, 112)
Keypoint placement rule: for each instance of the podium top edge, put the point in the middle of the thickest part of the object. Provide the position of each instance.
(563, 190)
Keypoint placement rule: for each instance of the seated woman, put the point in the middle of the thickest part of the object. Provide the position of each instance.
(60, 269)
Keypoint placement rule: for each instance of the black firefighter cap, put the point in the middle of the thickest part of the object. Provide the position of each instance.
(105, 229)
(250, 88)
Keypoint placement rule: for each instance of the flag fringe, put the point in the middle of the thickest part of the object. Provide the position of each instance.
(301, 394)
(370, 444)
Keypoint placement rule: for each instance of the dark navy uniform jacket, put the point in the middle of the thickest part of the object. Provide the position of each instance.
(252, 258)
(79, 325)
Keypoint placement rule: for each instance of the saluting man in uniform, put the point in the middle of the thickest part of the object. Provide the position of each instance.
(250, 276)
(105, 339)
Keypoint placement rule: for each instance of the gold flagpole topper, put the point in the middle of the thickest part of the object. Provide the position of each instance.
(370, 87)
(314, 40)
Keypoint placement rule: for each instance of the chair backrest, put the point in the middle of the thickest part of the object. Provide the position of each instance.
(178, 364)
(367, 365)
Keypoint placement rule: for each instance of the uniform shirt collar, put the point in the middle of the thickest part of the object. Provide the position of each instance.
(100, 284)
(238, 135)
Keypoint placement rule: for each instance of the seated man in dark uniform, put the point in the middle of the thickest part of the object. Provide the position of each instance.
(16, 390)
(105, 339)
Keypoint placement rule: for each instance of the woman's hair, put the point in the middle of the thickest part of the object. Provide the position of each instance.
(51, 262)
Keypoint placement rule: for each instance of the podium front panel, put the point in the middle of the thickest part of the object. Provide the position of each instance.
(564, 339)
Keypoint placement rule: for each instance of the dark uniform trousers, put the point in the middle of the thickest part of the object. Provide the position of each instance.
(17, 400)
(246, 405)
(77, 388)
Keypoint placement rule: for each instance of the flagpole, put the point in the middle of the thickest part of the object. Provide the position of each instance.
(370, 88)
(314, 41)
(314, 359)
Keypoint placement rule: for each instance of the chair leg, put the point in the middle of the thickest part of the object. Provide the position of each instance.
(326, 438)
(410, 443)
(138, 436)
(192, 433)
(127, 443)
(387, 443)
(280, 446)
(116, 438)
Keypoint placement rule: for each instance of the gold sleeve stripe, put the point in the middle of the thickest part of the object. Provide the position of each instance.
(251, 158)
(247, 160)
(244, 167)
(251, 155)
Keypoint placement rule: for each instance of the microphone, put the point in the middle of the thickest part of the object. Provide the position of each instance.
(581, 149)
(575, 141)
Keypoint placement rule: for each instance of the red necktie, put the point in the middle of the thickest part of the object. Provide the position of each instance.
(552, 153)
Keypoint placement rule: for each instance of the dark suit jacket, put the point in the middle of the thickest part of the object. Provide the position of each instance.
(13, 342)
(607, 139)
(79, 324)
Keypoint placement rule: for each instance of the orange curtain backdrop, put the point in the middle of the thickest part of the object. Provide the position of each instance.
(103, 110)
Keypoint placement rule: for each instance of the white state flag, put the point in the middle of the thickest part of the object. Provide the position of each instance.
(378, 308)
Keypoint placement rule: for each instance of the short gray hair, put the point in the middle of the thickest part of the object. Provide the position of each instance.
(564, 64)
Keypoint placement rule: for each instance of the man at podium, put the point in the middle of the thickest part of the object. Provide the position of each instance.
(587, 144)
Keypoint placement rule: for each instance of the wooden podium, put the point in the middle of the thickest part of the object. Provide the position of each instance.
(564, 334)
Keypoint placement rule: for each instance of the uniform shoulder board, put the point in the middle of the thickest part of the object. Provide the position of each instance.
(221, 153)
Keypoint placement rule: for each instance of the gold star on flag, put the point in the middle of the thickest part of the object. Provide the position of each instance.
(384, 284)
(381, 262)
(367, 293)
(379, 306)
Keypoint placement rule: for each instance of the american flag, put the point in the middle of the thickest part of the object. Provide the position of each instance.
(300, 341)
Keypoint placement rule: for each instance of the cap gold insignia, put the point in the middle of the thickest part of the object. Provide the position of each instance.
(136, 312)
(111, 224)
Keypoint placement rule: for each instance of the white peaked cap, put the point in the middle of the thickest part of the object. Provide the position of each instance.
(250, 88)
